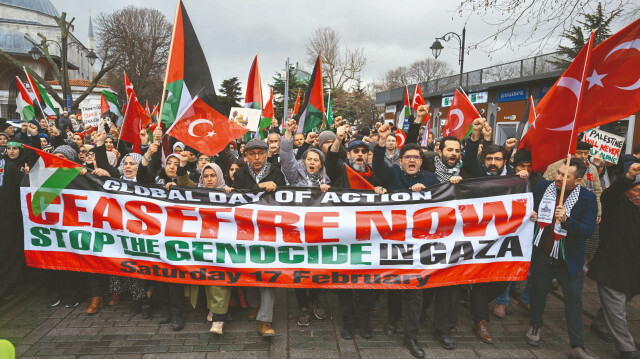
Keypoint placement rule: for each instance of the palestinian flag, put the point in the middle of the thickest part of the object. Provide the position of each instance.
(24, 103)
(329, 112)
(109, 107)
(48, 177)
(253, 95)
(187, 72)
(267, 116)
(41, 96)
(313, 106)
(406, 112)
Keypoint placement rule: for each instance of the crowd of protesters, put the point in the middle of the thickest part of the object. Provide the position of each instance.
(598, 220)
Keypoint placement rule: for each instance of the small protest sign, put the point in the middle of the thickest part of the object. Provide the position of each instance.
(91, 114)
(604, 143)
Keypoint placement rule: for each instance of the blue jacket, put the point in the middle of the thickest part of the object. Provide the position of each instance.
(580, 226)
(394, 178)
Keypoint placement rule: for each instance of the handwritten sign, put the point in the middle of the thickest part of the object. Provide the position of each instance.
(604, 143)
(90, 114)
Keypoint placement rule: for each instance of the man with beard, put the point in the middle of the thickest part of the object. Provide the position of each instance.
(406, 174)
(260, 173)
(559, 250)
(494, 164)
(616, 265)
(353, 314)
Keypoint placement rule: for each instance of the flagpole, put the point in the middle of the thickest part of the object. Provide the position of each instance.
(575, 116)
(166, 72)
(124, 119)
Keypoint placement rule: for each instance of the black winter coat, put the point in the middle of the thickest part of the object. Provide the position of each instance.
(617, 261)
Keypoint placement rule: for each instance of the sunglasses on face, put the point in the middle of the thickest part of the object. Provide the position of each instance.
(360, 150)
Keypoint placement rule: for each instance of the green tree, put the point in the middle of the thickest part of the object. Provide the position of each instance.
(295, 84)
(579, 35)
(231, 94)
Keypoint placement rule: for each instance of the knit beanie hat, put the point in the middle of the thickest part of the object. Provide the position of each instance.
(326, 136)
(67, 151)
(522, 156)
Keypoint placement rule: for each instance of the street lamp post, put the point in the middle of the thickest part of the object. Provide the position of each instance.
(437, 47)
(36, 54)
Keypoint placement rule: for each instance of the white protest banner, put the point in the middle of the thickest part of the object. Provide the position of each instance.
(473, 232)
(604, 143)
(90, 114)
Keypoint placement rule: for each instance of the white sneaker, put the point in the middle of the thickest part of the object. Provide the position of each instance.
(216, 328)
(210, 317)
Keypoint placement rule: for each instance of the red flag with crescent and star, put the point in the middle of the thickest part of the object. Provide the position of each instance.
(552, 135)
(205, 129)
(612, 86)
(460, 117)
(401, 138)
(417, 98)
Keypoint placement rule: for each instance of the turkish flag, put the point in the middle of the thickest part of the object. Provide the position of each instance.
(417, 98)
(612, 86)
(551, 136)
(356, 181)
(128, 87)
(460, 117)
(401, 138)
(205, 129)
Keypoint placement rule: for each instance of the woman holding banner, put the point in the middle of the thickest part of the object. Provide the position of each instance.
(309, 171)
(218, 297)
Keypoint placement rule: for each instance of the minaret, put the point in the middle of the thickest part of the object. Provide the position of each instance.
(90, 40)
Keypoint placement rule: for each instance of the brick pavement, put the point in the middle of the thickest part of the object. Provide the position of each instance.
(39, 332)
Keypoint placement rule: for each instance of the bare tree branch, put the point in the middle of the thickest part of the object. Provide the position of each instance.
(534, 22)
(339, 70)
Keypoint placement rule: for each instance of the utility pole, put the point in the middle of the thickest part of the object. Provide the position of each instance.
(286, 91)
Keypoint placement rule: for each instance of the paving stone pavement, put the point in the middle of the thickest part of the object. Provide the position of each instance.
(40, 332)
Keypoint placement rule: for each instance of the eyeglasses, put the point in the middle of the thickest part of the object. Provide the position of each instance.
(497, 159)
(360, 150)
(256, 154)
(411, 157)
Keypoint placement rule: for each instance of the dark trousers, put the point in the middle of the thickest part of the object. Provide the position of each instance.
(171, 297)
(64, 285)
(98, 284)
(543, 269)
(394, 305)
(481, 295)
(413, 299)
(356, 312)
(304, 296)
(445, 309)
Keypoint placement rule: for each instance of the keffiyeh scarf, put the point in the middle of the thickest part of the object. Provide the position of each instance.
(443, 172)
(546, 214)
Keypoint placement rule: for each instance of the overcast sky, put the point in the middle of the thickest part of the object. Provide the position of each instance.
(392, 33)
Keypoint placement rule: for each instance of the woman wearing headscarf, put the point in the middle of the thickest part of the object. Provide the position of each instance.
(217, 296)
(309, 171)
(201, 161)
(150, 171)
(135, 286)
(12, 262)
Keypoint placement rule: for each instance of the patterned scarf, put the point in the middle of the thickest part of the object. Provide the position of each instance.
(1, 171)
(589, 186)
(546, 212)
(260, 174)
(443, 172)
